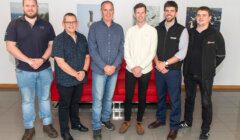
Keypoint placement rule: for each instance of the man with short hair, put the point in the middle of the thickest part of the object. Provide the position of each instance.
(105, 40)
(206, 52)
(171, 50)
(29, 40)
(70, 52)
(139, 51)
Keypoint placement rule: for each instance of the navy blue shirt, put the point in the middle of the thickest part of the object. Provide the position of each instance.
(31, 41)
(105, 45)
(73, 53)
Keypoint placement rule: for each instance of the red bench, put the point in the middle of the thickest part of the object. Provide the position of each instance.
(119, 95)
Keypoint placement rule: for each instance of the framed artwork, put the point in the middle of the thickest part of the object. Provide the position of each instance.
(86, 15)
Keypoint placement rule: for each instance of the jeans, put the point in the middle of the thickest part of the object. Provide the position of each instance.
(103, 87)
(130, 82)
(171, 82)
(69, 106)
(205, 87)
(31, 84)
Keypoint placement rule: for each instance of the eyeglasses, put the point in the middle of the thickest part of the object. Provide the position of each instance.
(70, 22)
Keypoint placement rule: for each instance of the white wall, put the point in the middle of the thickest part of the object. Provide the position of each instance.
(228, 73)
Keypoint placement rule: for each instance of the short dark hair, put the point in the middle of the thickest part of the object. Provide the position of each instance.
(107, 1)
(171, 4)
(34, 0)
(205, 8)
(140, 5)
(69, 14)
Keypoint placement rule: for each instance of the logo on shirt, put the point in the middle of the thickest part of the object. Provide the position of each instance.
(172, 37)
(211, 42)
(41, 27)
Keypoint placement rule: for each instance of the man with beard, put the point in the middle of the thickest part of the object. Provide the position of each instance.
(171, 50)
(29, 39)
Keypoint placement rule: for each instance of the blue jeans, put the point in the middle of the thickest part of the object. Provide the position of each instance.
(31, 84)
(171, 82)
(103, 87)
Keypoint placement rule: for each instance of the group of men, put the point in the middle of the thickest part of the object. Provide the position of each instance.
(32, 41)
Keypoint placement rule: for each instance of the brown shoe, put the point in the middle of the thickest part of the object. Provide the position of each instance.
(124, 127)
(155, 124)
(28, 134)
(51, 132)
(172, 134)
(140, 128)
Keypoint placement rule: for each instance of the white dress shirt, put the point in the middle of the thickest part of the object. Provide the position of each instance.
(140, 47)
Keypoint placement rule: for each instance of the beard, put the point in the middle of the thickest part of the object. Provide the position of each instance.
(31, 16)
(170, 20)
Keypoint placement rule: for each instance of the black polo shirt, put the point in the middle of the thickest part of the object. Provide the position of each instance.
(31, 41)
(74, 55)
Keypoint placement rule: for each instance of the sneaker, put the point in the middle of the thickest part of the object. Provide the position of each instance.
(97, 134)
(28, 134)
(109, 125)
(50, 131)
(124, 127)
(183, 124)
(204, 135)
(140, 128)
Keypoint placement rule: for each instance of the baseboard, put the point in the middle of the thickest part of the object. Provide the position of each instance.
(9, 86)
(215, 87)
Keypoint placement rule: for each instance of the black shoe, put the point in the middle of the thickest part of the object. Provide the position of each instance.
(184, 124)
(204, 135)
(67, 136)
(97, 134)
(155, 124)
(80, 127)
(109, 125)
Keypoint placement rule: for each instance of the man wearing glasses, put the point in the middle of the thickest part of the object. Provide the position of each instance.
(70, 52)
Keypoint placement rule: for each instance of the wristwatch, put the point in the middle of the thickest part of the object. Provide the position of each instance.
(166, 63)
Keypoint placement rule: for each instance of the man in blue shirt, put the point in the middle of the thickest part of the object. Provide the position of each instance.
(29, 40)
(105, 40)
(70, 51)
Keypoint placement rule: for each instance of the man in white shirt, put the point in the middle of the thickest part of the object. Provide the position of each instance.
(139, 51)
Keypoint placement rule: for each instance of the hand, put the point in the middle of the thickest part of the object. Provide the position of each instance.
(80, 75)
(36, 63)
(160, 66)
(109, 69)
(164, 71)
(137, 71)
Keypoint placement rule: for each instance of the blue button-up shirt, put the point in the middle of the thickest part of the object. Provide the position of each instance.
(74, 55)
(105, 45)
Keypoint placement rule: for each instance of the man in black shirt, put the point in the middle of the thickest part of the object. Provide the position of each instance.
(70, 52)
(29, 40)
(205, 52)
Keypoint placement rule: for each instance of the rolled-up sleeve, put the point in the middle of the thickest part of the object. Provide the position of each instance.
(183, 45)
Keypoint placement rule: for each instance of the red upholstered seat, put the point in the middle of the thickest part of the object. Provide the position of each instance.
(119, 94)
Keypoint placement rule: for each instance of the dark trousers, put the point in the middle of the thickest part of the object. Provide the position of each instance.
(69, 106)
(169, 82)
(130, 82)
(205, 87)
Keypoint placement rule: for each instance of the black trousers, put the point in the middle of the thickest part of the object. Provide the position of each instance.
(130, 82)
(69, 106)
(205, 86)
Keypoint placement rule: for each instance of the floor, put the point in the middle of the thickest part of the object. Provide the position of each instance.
(225, 126)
